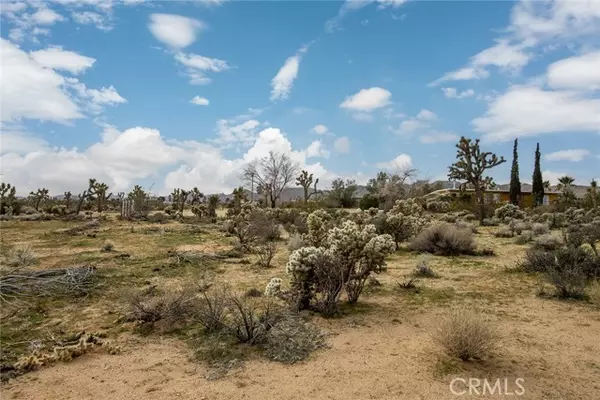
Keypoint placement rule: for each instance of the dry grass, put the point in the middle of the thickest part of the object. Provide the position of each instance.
(466, 334)
(367, 341)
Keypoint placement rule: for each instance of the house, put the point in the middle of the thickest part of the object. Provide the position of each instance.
(499, 194)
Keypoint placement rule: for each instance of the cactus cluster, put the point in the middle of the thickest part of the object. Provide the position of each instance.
(345, 259)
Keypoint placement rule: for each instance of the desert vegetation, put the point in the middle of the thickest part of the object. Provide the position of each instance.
(458, 286)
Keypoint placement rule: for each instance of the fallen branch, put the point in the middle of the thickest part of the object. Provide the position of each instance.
(75, 281)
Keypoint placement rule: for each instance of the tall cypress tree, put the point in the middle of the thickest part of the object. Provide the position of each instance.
(515, 182)
(537, 182)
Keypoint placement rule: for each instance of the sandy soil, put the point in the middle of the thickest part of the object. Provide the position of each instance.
(383, 351)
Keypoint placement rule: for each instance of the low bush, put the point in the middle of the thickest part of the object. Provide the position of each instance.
(423, 269)
(172, 310)
(508, 211)
(158, 218)
(211, 309)
(466, 335)
(444, 239)
(250, 322)
(107, 247)
(292, 340)
(504, 232)
(540, 229)
(524, 238)
(21, 257)
(265, 252)
(547, 242)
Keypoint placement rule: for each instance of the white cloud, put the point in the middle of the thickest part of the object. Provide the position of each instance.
(401, 163)
(452, 93)
(100, 21)
(502, 55)
(426, 115)
(174, 30)
(579, 72)
(422, 121)
(282, 83)
(438, 137)
(233, 134)
(20, 142)
(182, 163)
(199, 101)
(197, 66)
(574, 155)
(57, 58)
(32, 91)
(367, 99)
(317, 149)
(529, 111)
(320, 129)
(46, 16)
(349, 6)
(342, 145)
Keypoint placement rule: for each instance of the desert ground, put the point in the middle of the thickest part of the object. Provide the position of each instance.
(380, 348)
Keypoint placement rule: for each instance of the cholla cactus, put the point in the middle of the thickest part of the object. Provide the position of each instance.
(318, 223)
(407, 207)
(509, 211)
(347, 257)
(401, 227)
(273, 287)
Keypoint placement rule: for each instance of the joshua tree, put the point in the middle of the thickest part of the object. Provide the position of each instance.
(7, 197)
(239, 195)
(38, 197)
(515, 182)
(197, 195)
(537, 184)
(68, 196)
(593, 191)
(179, 198)
(305, 180)
(89, 193)
(100, 190)
(139, 196)
(213, 203)
(470, 167)
(274, 172)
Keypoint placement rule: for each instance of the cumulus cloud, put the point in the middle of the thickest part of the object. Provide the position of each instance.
(578, 72)
(175, 31)
(30, 90)
(367, 99)
(529, 111)
(57, 58)
(231, 133)
(200, 101)
(317, 149)
(342, 145)
(402, 162)
(574, 155)
(33, 89)
(282, 83)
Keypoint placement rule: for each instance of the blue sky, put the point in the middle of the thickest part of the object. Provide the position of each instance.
(107, 89)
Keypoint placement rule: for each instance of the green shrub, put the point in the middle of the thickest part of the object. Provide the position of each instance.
(539, 229)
